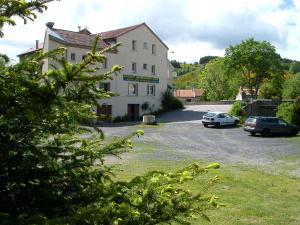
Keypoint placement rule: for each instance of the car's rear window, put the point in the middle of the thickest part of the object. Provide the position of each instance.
(251, 120)
(270, 120)
(210, 114)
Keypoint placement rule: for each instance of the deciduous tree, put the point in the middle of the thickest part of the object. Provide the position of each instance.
(255, 60)
(217, 84)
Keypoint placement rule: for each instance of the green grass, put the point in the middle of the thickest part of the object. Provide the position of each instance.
(143, 126)
(251, 195)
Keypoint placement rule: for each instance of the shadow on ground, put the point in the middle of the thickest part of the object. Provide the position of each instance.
(181, 115)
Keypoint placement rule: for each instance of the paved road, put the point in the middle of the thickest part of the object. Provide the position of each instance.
(182, 136)
(191, 113)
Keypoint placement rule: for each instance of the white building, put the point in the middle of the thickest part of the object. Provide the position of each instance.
(147, 71)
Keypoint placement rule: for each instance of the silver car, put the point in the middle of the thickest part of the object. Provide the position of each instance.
(218, 119)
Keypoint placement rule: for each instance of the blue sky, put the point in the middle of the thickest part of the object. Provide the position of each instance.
(191, 28)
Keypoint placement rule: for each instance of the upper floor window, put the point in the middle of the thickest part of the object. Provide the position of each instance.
(153, 69)
(133, 46)
(73, 56)
(133, 67)
(132, 89)
(104, 86)
(153, 49)
(104, 64)
(145, 67)
(145, 45)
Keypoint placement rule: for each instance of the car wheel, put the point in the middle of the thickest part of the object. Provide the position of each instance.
(294, 132)
(205, 125)
(236, 122)
(252, 133)
(266, 132)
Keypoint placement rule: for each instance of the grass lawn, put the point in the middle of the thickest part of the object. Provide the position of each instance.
(251, 195)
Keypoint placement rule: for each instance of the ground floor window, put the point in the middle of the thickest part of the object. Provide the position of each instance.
(132, 89)
(104, 112)
(151, 89)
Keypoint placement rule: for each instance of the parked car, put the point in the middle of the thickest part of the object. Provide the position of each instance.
(219, 119)
(269, 125)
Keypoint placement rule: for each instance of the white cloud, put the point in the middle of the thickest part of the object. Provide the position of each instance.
(192, 28)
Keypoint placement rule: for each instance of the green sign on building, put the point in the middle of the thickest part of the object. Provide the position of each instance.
(128, 77)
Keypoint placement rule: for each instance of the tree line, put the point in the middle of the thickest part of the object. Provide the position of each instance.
(252, 65)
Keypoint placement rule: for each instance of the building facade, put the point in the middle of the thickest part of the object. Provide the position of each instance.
(146, 74)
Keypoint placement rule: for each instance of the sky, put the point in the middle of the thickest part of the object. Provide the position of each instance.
(190, 28)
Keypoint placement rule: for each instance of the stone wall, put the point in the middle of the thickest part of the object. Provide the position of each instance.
(264, 107)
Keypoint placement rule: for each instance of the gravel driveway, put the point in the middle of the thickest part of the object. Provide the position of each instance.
(182, 136)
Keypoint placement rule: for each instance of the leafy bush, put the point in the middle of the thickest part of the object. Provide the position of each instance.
(294, 67)
(169, 102)
(267, 91)
(119, 119)
(289, 112)
(237, 109)
(291, 88)
(145, 106)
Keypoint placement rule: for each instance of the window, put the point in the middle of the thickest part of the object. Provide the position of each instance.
(83, 57)
(73, 56)
(104, 86)
(282, 122)
(145, 66)
(153, 69)
(133, 67)
(145, 45)
(153, 49)
(221, 115)
(104, 64)
(132, 89)
(151, 89)
(133, 47)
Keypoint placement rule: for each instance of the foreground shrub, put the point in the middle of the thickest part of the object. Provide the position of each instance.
(170, 102)
(237, 109)
(289, 112)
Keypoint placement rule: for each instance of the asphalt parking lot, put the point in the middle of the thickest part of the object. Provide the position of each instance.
(181, 135)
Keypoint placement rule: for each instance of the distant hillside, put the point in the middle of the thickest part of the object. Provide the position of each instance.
(187, 76)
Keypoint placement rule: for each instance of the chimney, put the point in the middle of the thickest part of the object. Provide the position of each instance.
(36, 44)
(79, 28)
(50, 25)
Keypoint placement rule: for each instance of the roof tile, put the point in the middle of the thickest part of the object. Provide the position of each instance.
(81, 39)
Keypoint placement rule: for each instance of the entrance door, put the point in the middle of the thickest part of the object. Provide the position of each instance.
(104, 112)
(133, 112)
